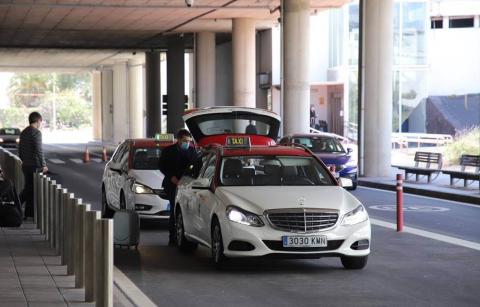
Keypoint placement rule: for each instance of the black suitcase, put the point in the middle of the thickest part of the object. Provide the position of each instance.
(10, 208)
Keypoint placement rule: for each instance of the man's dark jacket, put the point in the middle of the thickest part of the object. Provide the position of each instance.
(30, 148)
(173, 162)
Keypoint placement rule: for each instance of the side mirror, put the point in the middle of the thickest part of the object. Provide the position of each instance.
(201, 184)
(345, 182)
(349, 150)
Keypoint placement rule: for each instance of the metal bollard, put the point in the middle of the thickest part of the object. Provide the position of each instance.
(64, 240)
(70, 233)
(56, 218)
(35, 197)
(399, 202)
(45, 204)
(39, 201)
(90, 222)
(51, 212)
(104, 262)
(80, 245)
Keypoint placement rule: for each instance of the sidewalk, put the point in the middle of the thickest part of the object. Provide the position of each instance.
(31, 274)
(438, 188)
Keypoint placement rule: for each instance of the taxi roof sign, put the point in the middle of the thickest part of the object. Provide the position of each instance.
(166, 137)
(238, 142)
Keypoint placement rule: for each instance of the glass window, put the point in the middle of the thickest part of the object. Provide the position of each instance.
(413, 37)
(273, 171)
(9, 131)
(119, 152)
(210, 168)
(436, 23)
(353, 33)
(146, 158)
(455, 22)
(320, 144)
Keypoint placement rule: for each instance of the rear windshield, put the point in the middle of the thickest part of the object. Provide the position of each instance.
(146, 158)
(273, 171)
(9, 131)
(320, 144)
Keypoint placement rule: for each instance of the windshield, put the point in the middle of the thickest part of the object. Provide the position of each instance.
(146, 158)
(273, 171)
(9, 131)
(320, 144)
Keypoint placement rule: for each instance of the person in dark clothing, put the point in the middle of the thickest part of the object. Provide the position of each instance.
(251, 128)
(173, 162)
(31, 154)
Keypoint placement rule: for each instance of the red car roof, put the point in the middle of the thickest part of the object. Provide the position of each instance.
(266, 151)
(149, 143)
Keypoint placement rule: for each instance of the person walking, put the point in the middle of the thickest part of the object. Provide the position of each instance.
(173, 162)
(31, 153)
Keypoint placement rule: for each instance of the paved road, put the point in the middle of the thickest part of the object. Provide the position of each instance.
(403, 269)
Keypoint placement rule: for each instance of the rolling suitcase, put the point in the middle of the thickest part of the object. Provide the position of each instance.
(10, 208)
(126, 228)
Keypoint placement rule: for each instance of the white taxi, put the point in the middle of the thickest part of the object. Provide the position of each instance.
(267, 200)
(132, 179)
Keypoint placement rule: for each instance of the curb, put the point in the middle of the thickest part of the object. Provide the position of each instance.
(423, 192)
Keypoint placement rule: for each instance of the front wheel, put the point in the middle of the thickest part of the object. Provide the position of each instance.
(106, 211)
(182, 243)
(218, 257)
(354, 263)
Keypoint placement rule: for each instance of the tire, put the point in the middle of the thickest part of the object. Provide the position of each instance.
(218, 257)
(182, 242)
(354, 263)
(107, 213)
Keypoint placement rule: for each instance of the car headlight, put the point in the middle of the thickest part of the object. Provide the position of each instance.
(355, 216)
(17, 140)
(1, 140)
(241, 216)
(139, 188)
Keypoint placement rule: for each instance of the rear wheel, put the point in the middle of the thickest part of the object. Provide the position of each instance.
(182, 242)
(218, 257)
(106, 211)
(354, 263)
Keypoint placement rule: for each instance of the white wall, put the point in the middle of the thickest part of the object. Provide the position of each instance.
(454, 57)
(120, 102)
(319, 47)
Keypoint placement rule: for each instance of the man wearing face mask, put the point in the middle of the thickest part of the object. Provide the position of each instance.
(173, 162)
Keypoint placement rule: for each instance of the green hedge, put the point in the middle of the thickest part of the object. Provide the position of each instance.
(467, 142)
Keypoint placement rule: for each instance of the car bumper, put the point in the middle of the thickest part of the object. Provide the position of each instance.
(151, 206)
(268, 241)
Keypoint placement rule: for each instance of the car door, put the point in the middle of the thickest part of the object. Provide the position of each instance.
(205, 201)
(110, 173)
(116, 177)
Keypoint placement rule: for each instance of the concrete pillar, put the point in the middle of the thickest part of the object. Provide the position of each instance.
(175, 84)
(97, 104)
(120, 102)
(205, 69)
(378, 59)
(152, 93)
(107, 105)
(135, 77)
(295, 63)
(90, 224)
(243, 58)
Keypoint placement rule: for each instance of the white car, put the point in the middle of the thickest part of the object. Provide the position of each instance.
(132, 179)
(264, 200)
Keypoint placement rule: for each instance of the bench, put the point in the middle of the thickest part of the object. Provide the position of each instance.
(429, 159)
(472, 161)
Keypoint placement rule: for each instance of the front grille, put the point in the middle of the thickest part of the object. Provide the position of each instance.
(302, 219)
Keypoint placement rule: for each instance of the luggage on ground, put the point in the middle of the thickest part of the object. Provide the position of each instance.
(126, 228)
(10, 208)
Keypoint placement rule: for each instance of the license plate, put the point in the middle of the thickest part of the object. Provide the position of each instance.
(305, 241)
